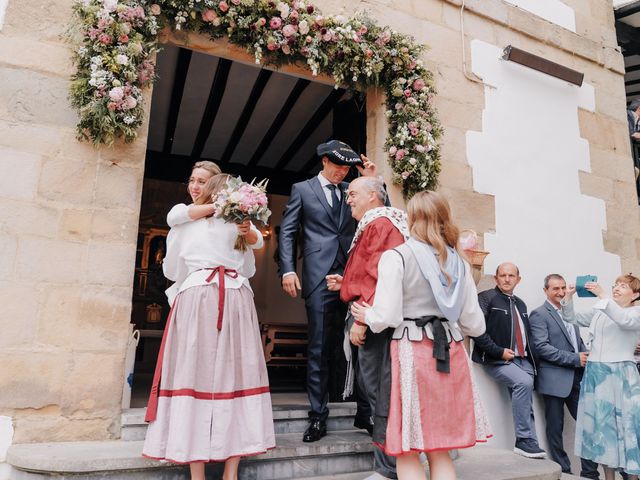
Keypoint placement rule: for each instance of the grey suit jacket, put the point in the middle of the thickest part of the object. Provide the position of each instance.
(557, 359)
(309, 211)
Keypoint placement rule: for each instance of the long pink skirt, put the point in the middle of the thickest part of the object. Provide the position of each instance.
(431, 410)
(214, 400)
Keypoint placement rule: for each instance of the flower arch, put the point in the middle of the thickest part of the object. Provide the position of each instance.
(119, 38)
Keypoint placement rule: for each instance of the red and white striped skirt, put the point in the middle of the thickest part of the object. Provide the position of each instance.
(431, 410)
(213, 399)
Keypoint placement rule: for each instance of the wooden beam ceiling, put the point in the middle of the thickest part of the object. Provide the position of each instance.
(182, 69)
(247, 111)
(316, 119)
(218, 86)
(282, 116)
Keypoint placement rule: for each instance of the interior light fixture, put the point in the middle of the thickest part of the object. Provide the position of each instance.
(543, 65)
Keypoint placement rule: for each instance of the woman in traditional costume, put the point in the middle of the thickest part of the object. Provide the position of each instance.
(608, 420)
(210, 398)
(426, 398)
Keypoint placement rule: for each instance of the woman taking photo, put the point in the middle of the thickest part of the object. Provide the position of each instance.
(608, 421)
(425, 292)
(210, 398)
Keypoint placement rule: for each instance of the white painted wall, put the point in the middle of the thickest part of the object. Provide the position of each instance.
(6, 438)
(553, 10)
(528, 156)
(3, 8)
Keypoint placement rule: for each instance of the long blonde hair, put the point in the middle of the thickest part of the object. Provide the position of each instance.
(430, 221)
(213, 186)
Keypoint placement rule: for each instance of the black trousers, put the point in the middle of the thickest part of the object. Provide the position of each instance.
(326, 315)
(370, 357)
(554, 413)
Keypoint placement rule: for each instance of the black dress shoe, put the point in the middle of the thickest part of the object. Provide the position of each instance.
(365, 423)
(315, 431)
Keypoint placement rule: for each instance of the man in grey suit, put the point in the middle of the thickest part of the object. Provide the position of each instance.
(561, 358)
(319, 209)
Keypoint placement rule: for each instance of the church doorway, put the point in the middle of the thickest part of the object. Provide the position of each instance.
(253, 122)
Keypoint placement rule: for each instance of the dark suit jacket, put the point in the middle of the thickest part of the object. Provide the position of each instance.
(309, 211)
(557, 359)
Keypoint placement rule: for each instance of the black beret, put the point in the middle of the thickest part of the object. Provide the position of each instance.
(339, 153)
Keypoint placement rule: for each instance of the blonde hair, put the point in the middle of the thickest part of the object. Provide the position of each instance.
(213, 186)
(430, 221)
(633, 282)
(210, 167)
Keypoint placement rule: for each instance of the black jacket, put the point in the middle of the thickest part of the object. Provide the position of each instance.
(499, 335)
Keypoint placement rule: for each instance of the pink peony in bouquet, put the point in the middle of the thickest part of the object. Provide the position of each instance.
(239, 201)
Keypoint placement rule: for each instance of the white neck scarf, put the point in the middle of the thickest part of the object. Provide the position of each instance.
(395, 216)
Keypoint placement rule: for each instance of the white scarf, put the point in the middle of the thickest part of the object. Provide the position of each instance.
(395, 216)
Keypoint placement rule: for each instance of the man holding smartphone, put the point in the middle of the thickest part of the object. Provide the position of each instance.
(561, 359)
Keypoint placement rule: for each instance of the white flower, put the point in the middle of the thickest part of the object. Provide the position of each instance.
(129, 119)
(413, 161)
(122, 59)
(303, 27)
(284, 9)
(116, 94)
(110, 5)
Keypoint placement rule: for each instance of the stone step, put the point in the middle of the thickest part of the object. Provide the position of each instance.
(337, 453)
(342, 456)
(287, 419)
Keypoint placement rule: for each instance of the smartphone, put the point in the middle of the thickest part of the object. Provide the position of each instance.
(580, 283)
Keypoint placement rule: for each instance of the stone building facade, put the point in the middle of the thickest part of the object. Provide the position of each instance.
(514, 170)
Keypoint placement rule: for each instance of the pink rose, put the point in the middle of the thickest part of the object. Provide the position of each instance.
(289, 30)
(223, 6)
(308, 39)
(407, 93)
(327, 37)
(272, 46)
(418, 84)
(412, 65)
(294, 14)
(428, 127)
(400, 154)
(414, 132)
(412, 125)
(363, 29)
(420, 148)
(369, 53)
(262, 21)
(404, 50)
(393, 150)
(405, 175)
(235, 2)
(286, 49)
(155, 9)
(275, 23)
(105, 39)
(130, 102)
(209, 15)
(112, 106)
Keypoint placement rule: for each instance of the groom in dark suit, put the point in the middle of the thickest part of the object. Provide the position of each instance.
(562, 357)
(318, 208)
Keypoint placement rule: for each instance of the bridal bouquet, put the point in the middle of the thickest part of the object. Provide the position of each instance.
(239, 201)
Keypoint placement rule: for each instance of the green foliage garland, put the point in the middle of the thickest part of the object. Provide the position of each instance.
(118, 39)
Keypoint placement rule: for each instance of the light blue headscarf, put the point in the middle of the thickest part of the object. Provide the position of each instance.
(450, 298)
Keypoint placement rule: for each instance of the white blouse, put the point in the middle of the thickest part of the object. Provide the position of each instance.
(614, 331)
(404, 293)
(195, 245)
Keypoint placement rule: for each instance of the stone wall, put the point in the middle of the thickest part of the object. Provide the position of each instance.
(69, 212)
(69, 220)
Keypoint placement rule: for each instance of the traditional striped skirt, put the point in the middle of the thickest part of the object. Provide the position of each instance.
(431, 410)
(213, 400)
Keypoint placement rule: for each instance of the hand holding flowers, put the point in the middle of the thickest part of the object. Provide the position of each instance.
(242, 202)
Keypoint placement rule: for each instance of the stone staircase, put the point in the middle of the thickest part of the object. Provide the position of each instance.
(344, 454)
